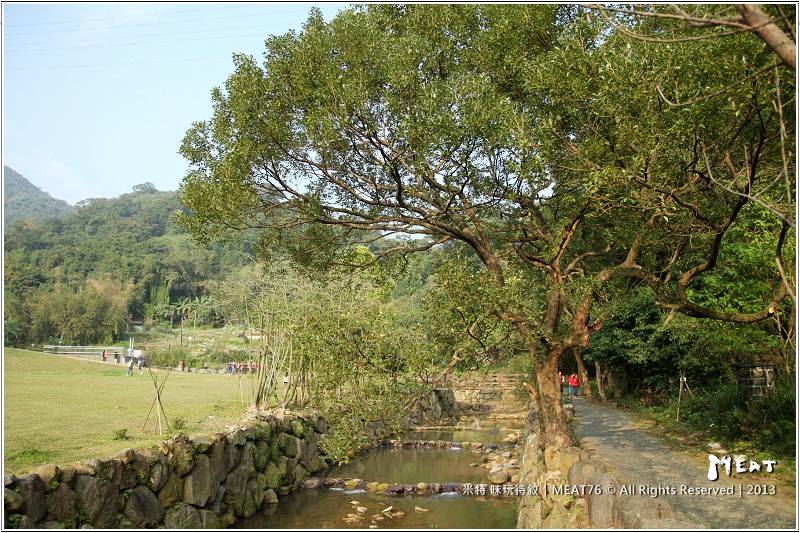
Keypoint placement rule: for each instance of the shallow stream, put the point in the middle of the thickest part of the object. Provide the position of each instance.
(327, 508)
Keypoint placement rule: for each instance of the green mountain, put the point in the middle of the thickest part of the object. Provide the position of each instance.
(23, 200)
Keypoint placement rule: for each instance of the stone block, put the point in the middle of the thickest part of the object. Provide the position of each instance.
(629, 510)
(289, 445)
(578, 473)
(600, 504)
(66, 475)
(235, 487)
(47, 473)
(126, 455)
(31, 488)
(171, 491)
(143, 508)
(201, 443)
(199, 486)
(237, 437)
(570, 456)
(552, 458)
(210, 520)
(62, 504)
(184, 518)
(99, 498)
(13, 501)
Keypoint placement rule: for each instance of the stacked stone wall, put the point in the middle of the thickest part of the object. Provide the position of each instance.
(186, 482)
(587, 502)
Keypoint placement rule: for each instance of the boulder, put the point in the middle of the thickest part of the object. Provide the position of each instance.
(498, 476)
(552, 458)
(235, 488)
(140, 468)
(237, 437)
(313, 483)
(286, 468)
(126, 456)
(210, 520)
(62, 504)
(599, 505)
(199, 486)
(184, 518)
(579, 472)
(99, 498)
(201, 443)
(66, 475)
(570, 456)
(181, 455)
(629, 510)
(171, 491)
(270, 497)
(253, 497)
(216, 455)
(218, 504)
(246, 458)
(143, 508)
(231, 457)
(159, 469)
(300, 474)
(13, 501)
(289, 445)
(121, 474)
(48, 473)
(31, 488)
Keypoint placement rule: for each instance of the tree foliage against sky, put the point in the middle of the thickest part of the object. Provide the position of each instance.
(533, 134)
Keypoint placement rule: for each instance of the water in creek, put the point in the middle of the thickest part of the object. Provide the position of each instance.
(326, 508)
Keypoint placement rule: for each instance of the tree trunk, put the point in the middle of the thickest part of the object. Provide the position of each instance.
(583, 373)
(553, 425)
(601, 391)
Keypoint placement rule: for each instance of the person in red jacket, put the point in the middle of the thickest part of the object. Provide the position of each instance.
(574, 385)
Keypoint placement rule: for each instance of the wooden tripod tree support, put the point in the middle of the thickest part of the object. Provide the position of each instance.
(683, 384)
(158, 388)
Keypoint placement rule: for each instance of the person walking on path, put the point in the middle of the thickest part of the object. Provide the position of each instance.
(140, 364)
(574, 385)
(130, 367)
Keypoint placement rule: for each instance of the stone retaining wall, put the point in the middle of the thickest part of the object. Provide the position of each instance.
(182, 483)
(186, 482)
(570, 490)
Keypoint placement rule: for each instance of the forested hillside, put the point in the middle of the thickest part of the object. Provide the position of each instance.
(23, 200)
(111, 261)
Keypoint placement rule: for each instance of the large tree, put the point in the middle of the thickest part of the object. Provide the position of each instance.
(525, 132)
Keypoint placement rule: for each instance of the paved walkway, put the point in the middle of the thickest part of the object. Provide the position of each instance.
(635, 457)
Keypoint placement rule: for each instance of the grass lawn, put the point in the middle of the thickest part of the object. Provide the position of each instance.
(58, 409)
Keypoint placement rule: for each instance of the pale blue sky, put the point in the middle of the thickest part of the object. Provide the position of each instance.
(97, 97)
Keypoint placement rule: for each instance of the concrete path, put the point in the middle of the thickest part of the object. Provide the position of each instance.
(638, 458)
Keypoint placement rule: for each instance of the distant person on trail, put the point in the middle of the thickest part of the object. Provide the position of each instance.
(104, 355)
(574, 385)
(286, 379)
(140, 364)
(180, 365)
(130, 367)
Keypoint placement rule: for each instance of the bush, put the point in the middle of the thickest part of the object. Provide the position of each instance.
(731, 414)
(166, 357)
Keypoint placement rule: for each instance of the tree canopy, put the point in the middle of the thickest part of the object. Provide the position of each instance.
(536, 135)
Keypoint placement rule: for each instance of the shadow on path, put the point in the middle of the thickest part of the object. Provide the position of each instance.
(636, 458)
